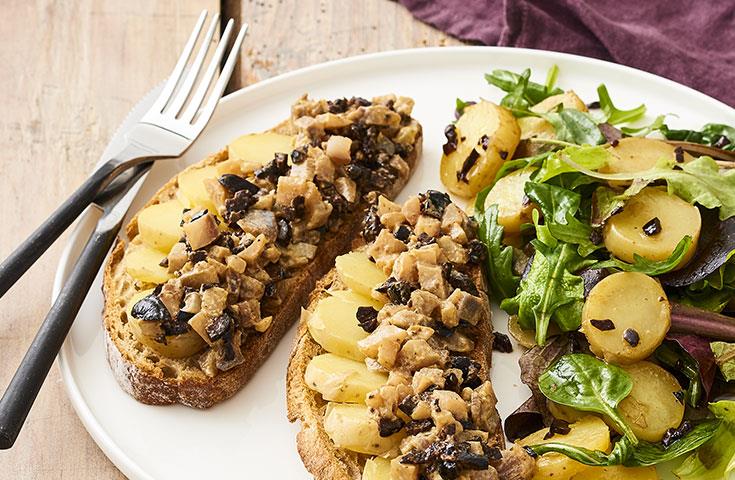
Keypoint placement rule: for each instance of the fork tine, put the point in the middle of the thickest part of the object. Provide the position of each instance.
(224, 78)
(168, 89)
(201, 91)
(196, 66)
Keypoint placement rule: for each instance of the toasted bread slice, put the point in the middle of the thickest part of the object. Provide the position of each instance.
(155, 379)
(318, 451)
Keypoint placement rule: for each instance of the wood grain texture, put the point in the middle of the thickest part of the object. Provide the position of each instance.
(71, 72)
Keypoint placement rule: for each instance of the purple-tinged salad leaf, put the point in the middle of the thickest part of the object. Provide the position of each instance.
(697, 321)
(712, 134)
(591, 277)
(611, 134)
(690, 359)
(605, 203)
(725, 358)
(526, 419)
(714, 460)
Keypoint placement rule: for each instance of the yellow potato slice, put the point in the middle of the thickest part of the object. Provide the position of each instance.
(509, 196)
(638, 154)
(631, 300)
(340, 379)
(176, 346)
(350, 296)
(376, 468)
(142, 263)
(624, 235)
(257, 149)
(651, 408)
(503, 134)
(160, 225)
(617, 472)
(359, 274)
(333, 325)
(589, 432)
(536, 127)
(192, 191)
(352, 427)
(563, 412)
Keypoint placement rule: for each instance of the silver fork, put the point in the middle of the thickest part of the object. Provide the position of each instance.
(166, 130)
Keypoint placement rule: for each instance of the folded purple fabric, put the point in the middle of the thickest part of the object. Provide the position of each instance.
(691, 42)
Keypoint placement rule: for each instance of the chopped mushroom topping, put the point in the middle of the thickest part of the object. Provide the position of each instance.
(201, 230)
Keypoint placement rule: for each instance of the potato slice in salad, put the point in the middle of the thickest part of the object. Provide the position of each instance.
(484, 137)
(514, 209)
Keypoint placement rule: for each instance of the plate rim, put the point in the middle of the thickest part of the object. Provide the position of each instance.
(101, 437)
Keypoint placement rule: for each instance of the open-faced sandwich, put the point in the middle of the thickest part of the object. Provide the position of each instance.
(611, 248)
(219, 263)
(389, 371)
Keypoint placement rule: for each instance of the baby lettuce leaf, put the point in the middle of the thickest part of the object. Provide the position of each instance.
(725, 358)
(715, 459)
(605, 204)
(583, 382)
(503, 282)
(642, 455)
(510, 166)
(614, 115)
(655, 125)
(650, 267)
(588, 156)
(550, 290)
(713, 134)
(533, 92)
(574, 126)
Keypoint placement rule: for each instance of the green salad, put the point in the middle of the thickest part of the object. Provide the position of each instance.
(610, 245)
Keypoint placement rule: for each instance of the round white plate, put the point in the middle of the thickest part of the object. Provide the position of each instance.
(248, 436)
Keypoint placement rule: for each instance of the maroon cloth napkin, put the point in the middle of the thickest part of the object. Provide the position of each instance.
(691, 42)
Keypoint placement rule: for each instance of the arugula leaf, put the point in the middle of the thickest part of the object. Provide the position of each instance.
(533, 92)
(559, 207)
(713, 134)
(650, 267)
(698, 181)
(460, 106)
(503, 282)
(551, 78)
(614, 115)
(510, 166)
(591, 157)
(550, 291)
(655, 125)
(643, 455)
(574, 126)
(583, 382)
(714, 460)
(725, 358)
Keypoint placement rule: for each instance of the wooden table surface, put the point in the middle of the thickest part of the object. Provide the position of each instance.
(70, 72)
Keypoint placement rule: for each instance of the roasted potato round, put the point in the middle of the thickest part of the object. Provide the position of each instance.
(618, 472)
(478, 144)
(514, 209)
(625, 317)
(651, 225)
(563, 412)
(637, 154)
(651, 408)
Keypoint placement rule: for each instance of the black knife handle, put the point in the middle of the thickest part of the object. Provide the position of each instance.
(40, 240)
(23, 389)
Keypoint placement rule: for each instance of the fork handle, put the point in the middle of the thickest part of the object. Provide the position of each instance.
(23, 388)
(41, 239)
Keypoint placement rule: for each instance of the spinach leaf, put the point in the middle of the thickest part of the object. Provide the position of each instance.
(533, 92)
(559, 207)
(643, 455)
(725, 358)
(650, 267)
(574, 126)
(713, 134)
(583, 382)
(614, 115)
(503, 282)
(550, 290)
(714, 460)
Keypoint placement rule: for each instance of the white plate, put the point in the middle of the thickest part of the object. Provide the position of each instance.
(249, 435)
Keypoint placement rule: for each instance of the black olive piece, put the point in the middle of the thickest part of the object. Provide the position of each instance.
(198, 215)
(358, 173)
(367, 317)
(398, 292)
(596, 236)
(631, 336)
(679, 395)
(476, 252)
(502, 343)
(371, 225)
(198, 256)
(433, 203)
(417, 426)
(448, 430)
(679, 154)
(163, 263)
(177, 327)
(402, 233)
(460, 280)
(235, 183)
(150, 309)
(451, 382)
(332, 196)
(359, 102)
(217, 328)
(473, 461)
(652, 227)
(673, 434)
(721, 142)
(424, 239)
(441, 330)
(594, 105)
(448, 470)
(389, 426)
(467, 165)
(183, 316)
(451, 133)
(337, 106)
(492, 453)
(270, 290)
(470, 370)
(485, 142)
(275, 168)
(298, 205)
(503, 154)
(283, 237)
(605, 324)
(236, 206)
(408, 404)
(557, 427)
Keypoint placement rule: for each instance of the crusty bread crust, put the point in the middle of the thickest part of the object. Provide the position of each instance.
(156, 381)
(320, 456)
